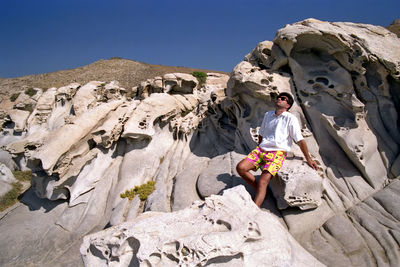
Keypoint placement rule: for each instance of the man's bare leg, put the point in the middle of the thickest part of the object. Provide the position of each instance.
(243, 168)
(261, 190)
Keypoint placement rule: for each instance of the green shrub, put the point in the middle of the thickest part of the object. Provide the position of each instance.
(200, 76)
(28, 107)
(143, 191)
(11, 197)
(185, 112)
(30, 91)
(14, 97)
(23, 176)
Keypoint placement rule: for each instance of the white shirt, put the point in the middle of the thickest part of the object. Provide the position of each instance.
(279, 131)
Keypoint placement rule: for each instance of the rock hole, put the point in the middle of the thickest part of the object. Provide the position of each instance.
(339, 95)
(171, 257)
(223, 259)
(265, 81)
(266, 51)
(30, 147)
(96, 252)
(317, 87)
(9, 125)
(332, 68)
(322, 80)
(304, 93)
(91, 144)
(310, 81)
(331, 86)
(226, 224)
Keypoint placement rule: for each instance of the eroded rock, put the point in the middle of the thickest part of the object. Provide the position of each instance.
(230, 229)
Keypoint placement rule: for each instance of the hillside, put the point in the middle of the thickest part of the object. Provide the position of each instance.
(395, 27)
(129, 73)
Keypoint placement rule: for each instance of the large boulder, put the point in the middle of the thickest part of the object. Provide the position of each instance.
(230, 230)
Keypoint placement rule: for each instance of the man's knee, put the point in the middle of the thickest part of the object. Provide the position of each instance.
(243, 167)
(240, 167)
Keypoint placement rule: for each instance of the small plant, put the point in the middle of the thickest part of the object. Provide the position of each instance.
(14, 97)
(11, 197)
(200, 76)
(30, 91)
(22, 176)
(143, 191)
(27, 107)
(185, 112)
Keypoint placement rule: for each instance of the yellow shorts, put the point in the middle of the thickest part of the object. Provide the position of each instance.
(270, 161)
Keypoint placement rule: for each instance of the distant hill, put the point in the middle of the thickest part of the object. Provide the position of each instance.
(128, 72)
(395, 27)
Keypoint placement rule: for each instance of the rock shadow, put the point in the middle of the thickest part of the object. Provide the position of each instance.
(30, 199)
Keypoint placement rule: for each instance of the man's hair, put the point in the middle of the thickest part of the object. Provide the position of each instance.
(290, 98)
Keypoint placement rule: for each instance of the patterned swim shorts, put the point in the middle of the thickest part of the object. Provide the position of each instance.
(270, 161)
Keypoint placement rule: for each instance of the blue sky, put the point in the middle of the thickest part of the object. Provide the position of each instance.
(39, 36)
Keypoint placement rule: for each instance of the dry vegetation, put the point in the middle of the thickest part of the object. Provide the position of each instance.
(128, 72)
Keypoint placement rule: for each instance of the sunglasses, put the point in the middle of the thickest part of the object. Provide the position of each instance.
(283, 98)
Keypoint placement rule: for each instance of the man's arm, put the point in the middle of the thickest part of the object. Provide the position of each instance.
(303, 146)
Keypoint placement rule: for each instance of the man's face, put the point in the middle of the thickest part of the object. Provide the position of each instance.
(282, 102)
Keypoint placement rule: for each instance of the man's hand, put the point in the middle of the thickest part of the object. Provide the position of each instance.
(312, 164)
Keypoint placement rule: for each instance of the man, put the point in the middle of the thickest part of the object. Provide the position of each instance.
(277, 130)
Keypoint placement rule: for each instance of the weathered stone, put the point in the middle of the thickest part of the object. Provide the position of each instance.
(6, 179)
(297, 185)
(230, 229)
(19, 117)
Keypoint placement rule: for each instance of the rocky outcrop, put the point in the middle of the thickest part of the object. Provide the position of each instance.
(346, 79)
(230, 230)
(86, 144)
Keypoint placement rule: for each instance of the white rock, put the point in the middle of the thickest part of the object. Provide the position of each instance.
(6, 179)
(297, 185)
(19, 117)
(230, 230)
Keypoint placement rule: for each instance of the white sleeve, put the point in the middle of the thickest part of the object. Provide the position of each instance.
(294, 130)
(262, 128)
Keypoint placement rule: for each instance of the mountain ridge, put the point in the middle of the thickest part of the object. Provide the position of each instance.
(127, 72)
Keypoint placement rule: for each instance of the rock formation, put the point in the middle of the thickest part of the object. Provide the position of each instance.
(86, 144)
(230, 230)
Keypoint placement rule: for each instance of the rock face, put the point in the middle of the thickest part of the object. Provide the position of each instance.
(230, 231)
(6, 179)
(88, 143)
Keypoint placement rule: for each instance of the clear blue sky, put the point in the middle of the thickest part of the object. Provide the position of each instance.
(39, 36)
